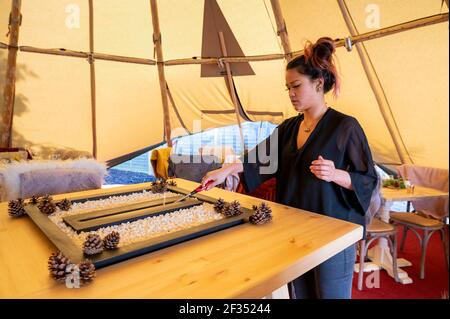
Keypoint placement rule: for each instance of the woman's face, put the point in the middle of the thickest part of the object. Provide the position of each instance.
(302, 90)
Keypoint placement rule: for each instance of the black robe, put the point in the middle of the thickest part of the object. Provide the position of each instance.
(337, 137)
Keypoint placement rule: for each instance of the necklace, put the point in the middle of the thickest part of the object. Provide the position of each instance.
(307, 129)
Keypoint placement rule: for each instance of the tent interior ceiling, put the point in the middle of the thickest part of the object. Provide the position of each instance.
(53, 93)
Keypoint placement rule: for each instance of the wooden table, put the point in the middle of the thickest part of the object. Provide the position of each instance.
(245, 261)
(380, 255)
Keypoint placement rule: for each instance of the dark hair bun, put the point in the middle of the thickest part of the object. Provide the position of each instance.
(320, 54)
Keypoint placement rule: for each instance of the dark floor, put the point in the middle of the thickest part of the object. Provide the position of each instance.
(116, 176)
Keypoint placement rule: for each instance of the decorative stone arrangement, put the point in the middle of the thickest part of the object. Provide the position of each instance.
(118, 235)
(142, 229)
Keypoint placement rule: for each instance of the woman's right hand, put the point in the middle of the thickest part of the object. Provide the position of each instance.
(218, 176)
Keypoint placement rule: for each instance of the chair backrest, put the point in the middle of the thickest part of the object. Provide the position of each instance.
(192, 167)
(436, 178)
(159, 159)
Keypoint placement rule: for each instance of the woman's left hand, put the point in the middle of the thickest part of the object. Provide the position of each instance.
(323, 169)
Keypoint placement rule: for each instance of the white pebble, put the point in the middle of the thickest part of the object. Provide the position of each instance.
(142, 229)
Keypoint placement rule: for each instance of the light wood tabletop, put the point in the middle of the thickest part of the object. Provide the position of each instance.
(420, 192)
(244, 261)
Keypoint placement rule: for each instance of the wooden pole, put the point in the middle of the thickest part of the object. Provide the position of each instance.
(380, 33)
(92, 77)
(438, 18)
(281, 29)
(85, 55)
(243, 59)
(377, 89)
(160, 64)
(7, 111)
(172, 101)
(229, 80)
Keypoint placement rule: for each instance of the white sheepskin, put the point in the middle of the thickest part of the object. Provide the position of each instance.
(10, 173)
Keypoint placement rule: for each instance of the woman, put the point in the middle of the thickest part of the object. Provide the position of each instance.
(324, 165)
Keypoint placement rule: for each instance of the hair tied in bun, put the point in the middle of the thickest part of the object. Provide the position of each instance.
(317, 62)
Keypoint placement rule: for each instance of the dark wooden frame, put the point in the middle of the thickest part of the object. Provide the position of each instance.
(109, 257)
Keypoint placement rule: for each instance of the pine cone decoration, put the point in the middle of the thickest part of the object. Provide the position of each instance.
(262, 215)
(16, 208)
(34, 200)
(46, 205)
(111, 241)
(172, 182)
(93, 244)
(65, 204)
(87, 272)
(219, 205)
(232, 209)
(57, 265)
(159, 186)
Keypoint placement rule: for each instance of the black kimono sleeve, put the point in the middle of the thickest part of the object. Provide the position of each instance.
(360, 167)
(261, 162)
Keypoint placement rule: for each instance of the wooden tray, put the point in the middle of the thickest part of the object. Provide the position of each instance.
(117, 215)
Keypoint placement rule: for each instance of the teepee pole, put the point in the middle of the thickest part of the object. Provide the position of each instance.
(380, 33)
(230, 82)
(281, 29)
(377, 89)
(92, 79)
(160, 64)
(7, 110)
(85, 55)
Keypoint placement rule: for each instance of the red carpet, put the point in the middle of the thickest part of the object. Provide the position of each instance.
(434, 286)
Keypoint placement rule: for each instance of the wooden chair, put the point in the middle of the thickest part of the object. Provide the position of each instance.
(431, 213)
(428, 226)
(378, 229)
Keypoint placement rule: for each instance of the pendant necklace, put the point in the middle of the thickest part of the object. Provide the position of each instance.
(307, 129)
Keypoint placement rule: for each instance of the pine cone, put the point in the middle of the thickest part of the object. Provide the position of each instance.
(111, 241)
(93, 244)
(34, 200)
(159, 186)
(57, 265)
(87, 272)
(219, 205)
(262, 214)
(16, 208)
(65, 204)
(46, 205)
(172, 182)
(232, 209)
